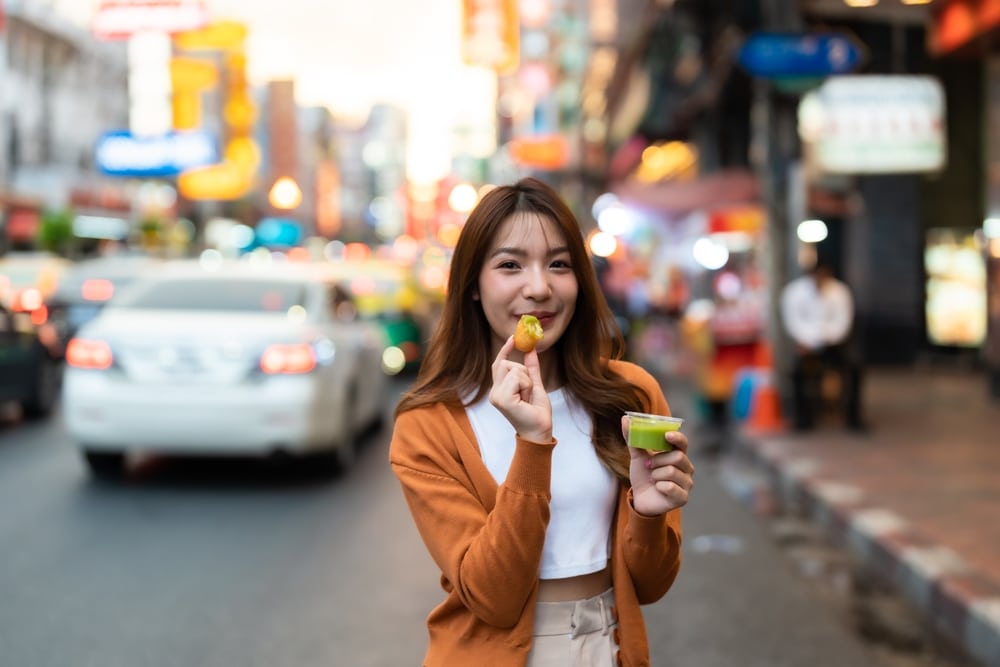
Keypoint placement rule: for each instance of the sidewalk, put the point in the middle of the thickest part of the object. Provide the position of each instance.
(917, 498)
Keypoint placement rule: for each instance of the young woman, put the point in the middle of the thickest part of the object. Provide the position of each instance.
(549, 531)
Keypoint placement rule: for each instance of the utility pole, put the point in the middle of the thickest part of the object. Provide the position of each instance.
(774, 148)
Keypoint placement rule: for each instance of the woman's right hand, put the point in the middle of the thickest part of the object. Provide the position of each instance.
(520, 396)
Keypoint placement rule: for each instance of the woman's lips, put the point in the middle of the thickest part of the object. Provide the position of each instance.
(544, 318)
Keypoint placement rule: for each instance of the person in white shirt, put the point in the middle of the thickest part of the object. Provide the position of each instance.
(817, 310)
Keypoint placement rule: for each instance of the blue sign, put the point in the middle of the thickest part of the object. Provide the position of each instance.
(120, 153)
(772, 55)
(278, 232)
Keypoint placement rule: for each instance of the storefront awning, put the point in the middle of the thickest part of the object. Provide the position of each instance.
(711, 191)
(11, 200)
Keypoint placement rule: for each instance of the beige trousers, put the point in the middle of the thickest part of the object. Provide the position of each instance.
(579, 633)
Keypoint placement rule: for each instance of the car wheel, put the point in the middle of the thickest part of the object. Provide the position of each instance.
(46, 390)
(346, 448)
(345, 455)
(105, 465)
(333, 462)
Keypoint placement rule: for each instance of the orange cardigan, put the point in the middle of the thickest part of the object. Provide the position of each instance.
(487, 539)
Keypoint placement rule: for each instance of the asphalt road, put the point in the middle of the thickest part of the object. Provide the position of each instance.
(219, 563)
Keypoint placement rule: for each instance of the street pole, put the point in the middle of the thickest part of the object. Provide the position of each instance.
(774, 147)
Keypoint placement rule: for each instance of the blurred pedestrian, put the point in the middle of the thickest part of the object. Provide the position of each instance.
(737, 328)
(549, 531)
(817, 310)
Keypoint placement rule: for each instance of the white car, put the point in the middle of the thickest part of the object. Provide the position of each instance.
(238, 359)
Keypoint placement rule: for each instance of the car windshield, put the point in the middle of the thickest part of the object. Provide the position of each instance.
(233, 295)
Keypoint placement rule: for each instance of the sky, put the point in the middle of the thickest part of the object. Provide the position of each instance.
(347, 55)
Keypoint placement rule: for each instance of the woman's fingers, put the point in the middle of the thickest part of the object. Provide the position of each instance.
(512, 377)
(683, 479)
(534, 367)
(677, 459)
(672, 476)
(678, 440)
(502, 364)
(678, 494)
(504, 353)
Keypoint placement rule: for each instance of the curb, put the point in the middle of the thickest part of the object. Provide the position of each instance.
(959, 601)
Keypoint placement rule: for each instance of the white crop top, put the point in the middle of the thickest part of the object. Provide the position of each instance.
(584, 492)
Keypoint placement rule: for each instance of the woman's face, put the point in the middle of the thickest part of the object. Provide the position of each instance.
(528, 270)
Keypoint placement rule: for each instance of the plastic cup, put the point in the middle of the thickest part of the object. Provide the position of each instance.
(647, 431)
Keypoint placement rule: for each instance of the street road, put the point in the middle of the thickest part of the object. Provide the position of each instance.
(218, 563)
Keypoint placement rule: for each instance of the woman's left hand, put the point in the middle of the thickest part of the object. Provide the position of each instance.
(661, 481)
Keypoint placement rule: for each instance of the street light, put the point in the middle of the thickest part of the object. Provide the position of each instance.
(285, 194)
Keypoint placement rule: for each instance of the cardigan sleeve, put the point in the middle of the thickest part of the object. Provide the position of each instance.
(489, 558)
(652, 551)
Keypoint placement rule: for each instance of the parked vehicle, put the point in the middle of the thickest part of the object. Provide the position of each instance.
(239, 359)
(385, 292)
(28, 280)
(85, 288)
(30, 366)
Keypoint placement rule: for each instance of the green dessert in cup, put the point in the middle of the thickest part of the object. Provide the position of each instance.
(647, 431)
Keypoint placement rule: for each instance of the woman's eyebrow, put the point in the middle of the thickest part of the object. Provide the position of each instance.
(509, 250)
(521, 252)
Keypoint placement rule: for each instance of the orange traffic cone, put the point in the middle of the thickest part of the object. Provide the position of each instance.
(765, 406)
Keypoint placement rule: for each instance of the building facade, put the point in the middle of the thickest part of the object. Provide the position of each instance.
(59, 90)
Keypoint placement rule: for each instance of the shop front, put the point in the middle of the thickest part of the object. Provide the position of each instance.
(20, 220)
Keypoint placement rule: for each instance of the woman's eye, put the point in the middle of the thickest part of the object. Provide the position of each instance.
(561, 264)
(509, 264)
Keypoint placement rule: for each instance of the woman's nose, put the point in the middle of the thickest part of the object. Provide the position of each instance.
(537, 285)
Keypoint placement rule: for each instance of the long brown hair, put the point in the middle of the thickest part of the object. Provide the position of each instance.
(459, 355)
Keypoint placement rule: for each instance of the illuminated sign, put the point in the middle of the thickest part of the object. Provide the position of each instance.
(867, 124)
(956, 306)
(541, 152)
(149, 85)
(278, 232)
(121, 20)
(233, 177)
(189, 77)
(219, 36)
(120, 153)
(216, 182)
(817, 54)
(193, 73)
(957, 23)
(100, 227)
(491, 34)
